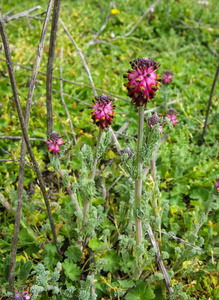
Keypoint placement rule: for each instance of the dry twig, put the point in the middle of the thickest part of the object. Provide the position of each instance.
(24, 124)
(7, 18)
(63, 100)
(52, 45)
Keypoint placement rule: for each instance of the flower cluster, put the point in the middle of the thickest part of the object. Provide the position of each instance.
(153, 121)
(103, 113)
(172, 115)
(167, 77)
(21, 295)
(54, 142)
(143, 81)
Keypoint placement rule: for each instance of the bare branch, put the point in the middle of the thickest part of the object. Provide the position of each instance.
(52, 45)
(7, 18)
(22, 121)
(19, 138)
(151, 8)
(93, 40)
(23, 145)
(63, 100)
(82, 58)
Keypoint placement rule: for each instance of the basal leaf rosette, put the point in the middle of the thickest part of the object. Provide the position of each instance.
(142, 81)
(103, 111)
(54, 142)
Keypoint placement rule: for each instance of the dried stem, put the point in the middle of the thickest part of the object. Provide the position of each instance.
(151, 8)
(20, 138)
(7, 18)
(159, 260)
(82, 58)
(63, 100)
(209, 104)
(23, 127)
(52, 44)
(23, 145)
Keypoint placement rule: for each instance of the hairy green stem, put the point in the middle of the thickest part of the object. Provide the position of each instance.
(92, 176)
(138, 182)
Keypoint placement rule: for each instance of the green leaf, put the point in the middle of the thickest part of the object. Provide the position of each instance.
(73, 253)
(95, 243)
(25, 270)
(140, 292)
(72, 271)
(113, 261)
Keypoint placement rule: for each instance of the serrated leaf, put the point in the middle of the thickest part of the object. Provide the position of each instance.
(73, 253)
(140, 292)
(113, 261)
(72, 271)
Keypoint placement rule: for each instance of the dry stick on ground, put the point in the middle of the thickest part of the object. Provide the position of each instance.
(73, 82)
(151, 8)
(19, 138)
(23, 146)
(24, 130)
(182, 241)
(63, 100)
(52, 45)
(94, 39)
(159, 260)
(82, 58)
(25, 13)
(209, 105)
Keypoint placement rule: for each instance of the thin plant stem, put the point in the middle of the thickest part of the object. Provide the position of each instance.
(68, 188)
(138, 182)
(52, 45)
(209, 104)
(24, 130)
(23, 148)
(92, 176)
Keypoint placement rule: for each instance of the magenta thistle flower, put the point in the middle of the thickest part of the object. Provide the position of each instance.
(167, 77)
(217, 184)
(172, 115)
(54, 142)
(143, 81)
(153, 121)
(103, 113)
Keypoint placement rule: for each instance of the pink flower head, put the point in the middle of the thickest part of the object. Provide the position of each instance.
(103, 113)
(143, 81)
(167, 77)
(54, 142)
(172, 115)
(217, 184)
(153, 121)
(22, 295)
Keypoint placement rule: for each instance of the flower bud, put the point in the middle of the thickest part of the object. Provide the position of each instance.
(54, 142)
(142, 81)
(103, 113)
